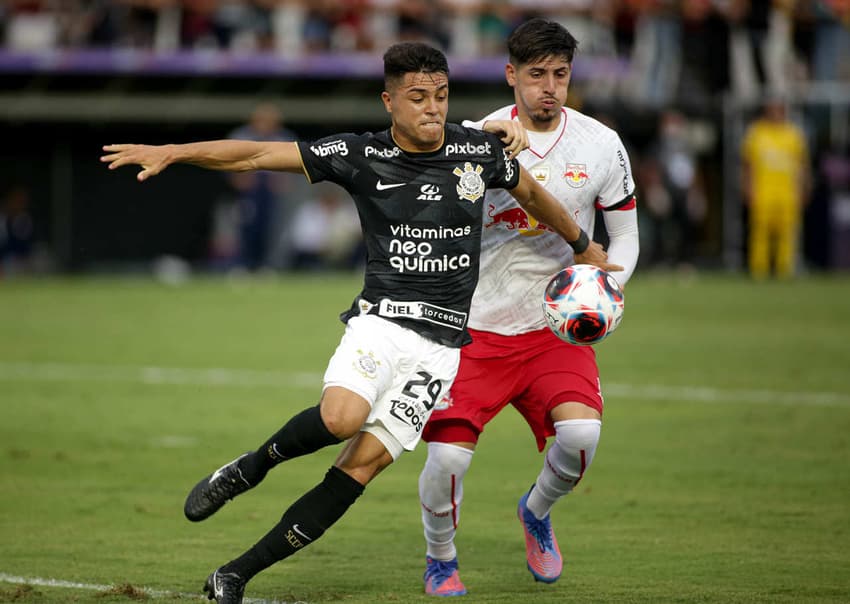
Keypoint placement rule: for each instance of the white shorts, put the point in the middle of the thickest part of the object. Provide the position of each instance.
(400, 373)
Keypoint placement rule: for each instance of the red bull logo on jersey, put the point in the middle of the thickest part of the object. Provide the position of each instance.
(576, 175)
(516, 219)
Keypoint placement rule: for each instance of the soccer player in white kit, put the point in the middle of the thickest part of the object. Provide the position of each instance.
(514, 358)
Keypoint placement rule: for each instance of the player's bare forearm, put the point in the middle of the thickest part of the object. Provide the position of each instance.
(538, 202)
(226, 155)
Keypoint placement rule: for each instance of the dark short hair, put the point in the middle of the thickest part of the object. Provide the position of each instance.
(539, 38)
(412, 57)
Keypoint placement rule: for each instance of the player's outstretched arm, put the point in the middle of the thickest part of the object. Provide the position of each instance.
(227, 155)
(538, 202)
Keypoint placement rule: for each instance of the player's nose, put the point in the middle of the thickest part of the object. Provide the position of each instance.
(432, 107)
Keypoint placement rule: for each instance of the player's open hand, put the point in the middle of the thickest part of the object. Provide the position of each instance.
(511, 132)
(596, 255)
(152, 159)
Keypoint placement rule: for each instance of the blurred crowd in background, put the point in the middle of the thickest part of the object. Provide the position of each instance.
(792, 39)
(676, 59)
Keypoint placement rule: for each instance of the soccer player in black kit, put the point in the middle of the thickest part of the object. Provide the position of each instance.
(418, 188)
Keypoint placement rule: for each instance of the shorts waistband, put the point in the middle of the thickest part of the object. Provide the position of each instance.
(415, 311)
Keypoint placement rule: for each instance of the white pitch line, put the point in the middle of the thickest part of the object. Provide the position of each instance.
(699, 394)
(61, 372)
(154, 593)
(247, 378)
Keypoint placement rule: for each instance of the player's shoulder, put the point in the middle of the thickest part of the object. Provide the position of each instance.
(577, 119)
(508, 112)
(461, 140)
(351, 144)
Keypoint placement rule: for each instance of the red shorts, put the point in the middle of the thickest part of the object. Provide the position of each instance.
(534, 372)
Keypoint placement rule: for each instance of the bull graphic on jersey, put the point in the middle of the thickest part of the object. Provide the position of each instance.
(516, 219)
(471, 185)
(512, 218)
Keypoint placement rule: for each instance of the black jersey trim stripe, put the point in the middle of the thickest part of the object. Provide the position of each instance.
(628, 199)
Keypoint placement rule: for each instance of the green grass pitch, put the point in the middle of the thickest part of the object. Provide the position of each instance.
(723, 473)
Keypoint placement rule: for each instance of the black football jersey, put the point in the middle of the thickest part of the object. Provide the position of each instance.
(421, 216)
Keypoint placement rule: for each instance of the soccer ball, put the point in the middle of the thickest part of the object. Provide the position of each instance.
(583, 304)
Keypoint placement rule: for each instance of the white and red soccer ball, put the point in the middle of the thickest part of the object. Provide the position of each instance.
(583, 304)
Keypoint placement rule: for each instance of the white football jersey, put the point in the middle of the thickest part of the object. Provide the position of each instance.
(584, 165)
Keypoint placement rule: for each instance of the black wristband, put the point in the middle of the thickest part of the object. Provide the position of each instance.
(580, 244)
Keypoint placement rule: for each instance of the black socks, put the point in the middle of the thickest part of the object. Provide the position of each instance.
(303, 434)
(303, 523)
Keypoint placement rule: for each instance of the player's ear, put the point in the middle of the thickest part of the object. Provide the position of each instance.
(388, 102)
(510, 74)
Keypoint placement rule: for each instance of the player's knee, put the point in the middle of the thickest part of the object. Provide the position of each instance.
(441, 488)
(576, 441)
(341, 425)
(343, 412)
(447, 459)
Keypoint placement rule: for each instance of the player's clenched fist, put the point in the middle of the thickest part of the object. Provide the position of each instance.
(152, 158)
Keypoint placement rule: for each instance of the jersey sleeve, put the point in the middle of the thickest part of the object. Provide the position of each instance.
(619, 186)
(330, 158)
(506, 173)
(623, 241)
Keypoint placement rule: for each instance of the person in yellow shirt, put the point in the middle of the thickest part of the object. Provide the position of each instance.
(776, 181)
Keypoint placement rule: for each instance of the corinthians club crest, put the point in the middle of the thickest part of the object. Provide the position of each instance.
(471, 185)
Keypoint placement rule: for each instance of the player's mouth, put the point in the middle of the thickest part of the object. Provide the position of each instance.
(548, 103)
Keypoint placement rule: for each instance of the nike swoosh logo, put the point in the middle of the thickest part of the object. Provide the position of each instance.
(216, 474)
(382, 187)
(295, 528)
